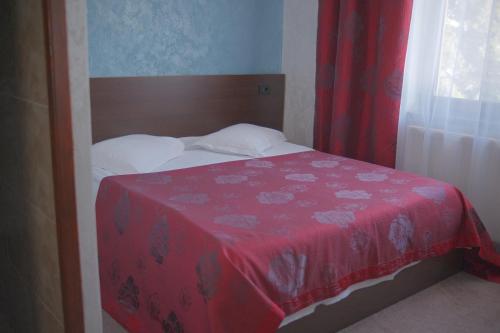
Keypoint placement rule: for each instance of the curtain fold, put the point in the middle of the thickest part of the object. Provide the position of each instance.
(360, 61)
(450, 109)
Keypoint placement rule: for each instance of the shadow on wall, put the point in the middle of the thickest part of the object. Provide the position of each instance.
(30, 292)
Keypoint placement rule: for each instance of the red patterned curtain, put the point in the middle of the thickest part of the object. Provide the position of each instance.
(359, 75)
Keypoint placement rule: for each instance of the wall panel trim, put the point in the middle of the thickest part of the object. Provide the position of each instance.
(63, 164)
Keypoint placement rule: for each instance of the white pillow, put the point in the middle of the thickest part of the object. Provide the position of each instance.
(138, 153)
(188, 142)
(241, 139)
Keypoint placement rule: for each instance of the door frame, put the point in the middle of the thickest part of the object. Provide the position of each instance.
(63, 164)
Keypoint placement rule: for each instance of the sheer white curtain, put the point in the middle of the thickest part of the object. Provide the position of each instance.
(449, 125)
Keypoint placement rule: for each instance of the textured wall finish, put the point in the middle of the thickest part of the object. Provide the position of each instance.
(80, 108)
(299, 65)
(30, 291)
(169, 37)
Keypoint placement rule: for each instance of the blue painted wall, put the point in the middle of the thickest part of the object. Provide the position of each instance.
(172, 37)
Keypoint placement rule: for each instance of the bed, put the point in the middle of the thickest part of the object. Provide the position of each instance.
(187, 106)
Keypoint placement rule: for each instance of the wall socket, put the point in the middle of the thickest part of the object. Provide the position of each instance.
(264, 89)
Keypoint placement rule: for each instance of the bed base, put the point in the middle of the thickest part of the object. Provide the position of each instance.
(365, 302)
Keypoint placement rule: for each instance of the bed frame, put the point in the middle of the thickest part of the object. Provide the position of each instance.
(198, 105)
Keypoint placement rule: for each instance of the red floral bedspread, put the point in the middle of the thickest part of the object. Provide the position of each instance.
(235, 247)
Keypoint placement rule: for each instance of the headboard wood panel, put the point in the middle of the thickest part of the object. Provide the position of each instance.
(183, 105)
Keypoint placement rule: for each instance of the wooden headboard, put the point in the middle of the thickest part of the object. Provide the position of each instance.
(184, 105)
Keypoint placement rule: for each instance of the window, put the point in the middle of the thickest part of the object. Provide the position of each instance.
(469, 62)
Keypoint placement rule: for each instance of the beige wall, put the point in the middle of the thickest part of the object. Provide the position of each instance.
(300, 21)
(80, 105)
(30, 293)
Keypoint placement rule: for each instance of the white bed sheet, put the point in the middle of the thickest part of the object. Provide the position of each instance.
(197, 157)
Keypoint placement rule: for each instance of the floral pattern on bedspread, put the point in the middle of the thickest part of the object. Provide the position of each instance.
(234, 247)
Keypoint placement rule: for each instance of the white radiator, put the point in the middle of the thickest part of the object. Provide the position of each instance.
(471, 164)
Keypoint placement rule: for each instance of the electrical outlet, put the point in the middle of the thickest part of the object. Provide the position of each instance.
(264, 89)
